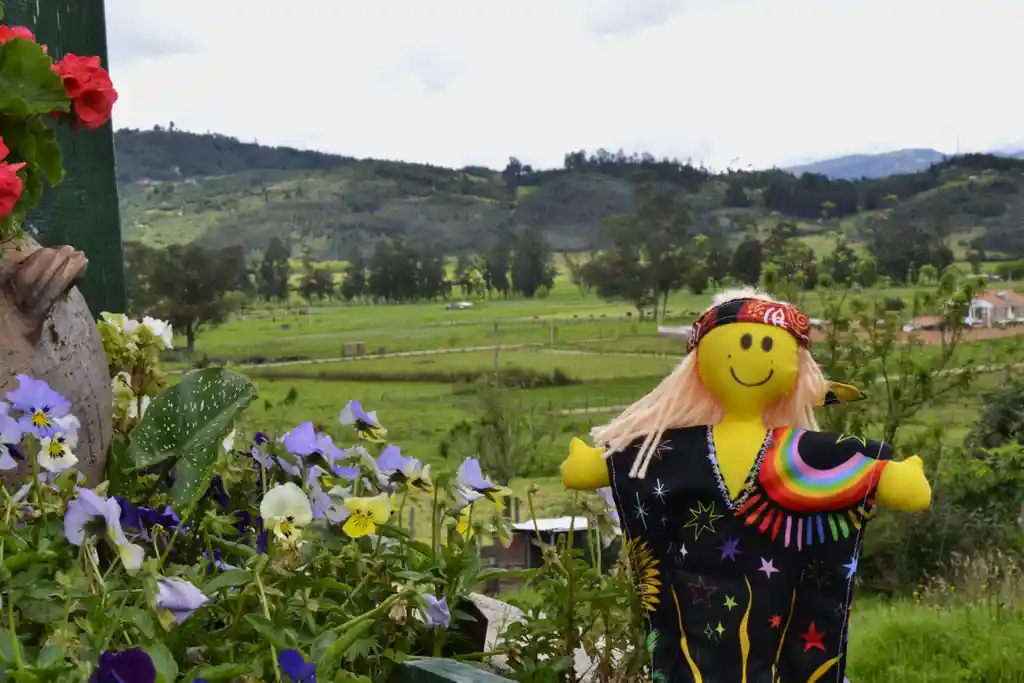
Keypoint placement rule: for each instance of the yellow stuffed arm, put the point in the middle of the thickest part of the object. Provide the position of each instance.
(585, 469)
(904, 487)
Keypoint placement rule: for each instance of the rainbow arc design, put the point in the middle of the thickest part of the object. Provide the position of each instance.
(804, 505)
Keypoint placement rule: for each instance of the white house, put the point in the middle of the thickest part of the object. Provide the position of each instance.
(993, 308)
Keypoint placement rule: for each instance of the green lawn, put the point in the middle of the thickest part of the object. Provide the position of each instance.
(565, 318)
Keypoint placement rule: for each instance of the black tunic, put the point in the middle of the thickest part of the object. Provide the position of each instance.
(756, 589)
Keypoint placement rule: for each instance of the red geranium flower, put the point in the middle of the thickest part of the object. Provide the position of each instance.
(10, 184)
(89, 88)
(9, 32)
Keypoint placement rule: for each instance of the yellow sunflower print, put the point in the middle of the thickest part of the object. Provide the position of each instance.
(644, 568)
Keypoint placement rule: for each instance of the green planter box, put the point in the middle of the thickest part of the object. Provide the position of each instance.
(82, 211)
(444, 671)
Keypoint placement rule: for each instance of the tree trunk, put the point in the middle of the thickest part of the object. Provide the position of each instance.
(48, 332)
(190, 338)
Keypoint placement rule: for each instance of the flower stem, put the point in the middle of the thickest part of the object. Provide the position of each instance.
(37, 492)
(14, 636)
(266, 613)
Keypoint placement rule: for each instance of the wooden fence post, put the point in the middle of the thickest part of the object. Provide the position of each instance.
(82, 211)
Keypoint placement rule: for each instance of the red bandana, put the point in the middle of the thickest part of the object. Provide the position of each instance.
(785, 316)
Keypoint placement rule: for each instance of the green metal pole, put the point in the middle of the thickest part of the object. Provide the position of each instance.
(83, 210)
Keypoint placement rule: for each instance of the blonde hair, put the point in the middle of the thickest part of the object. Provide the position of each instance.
(682, 400)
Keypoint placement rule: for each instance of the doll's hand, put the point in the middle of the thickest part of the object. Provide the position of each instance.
(585, 469)
(904, 487)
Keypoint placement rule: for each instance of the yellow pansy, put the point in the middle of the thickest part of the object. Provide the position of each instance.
(366, 514)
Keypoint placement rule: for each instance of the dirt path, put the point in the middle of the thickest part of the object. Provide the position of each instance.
(540, 347)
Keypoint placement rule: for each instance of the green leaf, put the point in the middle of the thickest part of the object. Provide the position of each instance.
(232, 577)
(28, 86)
(336, 650)
(119, 466)
(140, 619)
(48, 157)
(219, 672)
(187, 423)
(267, 629)
(163, 660)
(6, 647)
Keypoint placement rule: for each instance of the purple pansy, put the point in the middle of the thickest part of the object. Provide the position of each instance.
(217, 492)
(437, 613)
(127, 666)
(302, 440)
(138, 519)
(335, 457)
(295, 667)
(217, 562)
(325, 499)
(88, 513)
(246, 521)
(10, 439)
(259, 452)
(179, 597)
(471, 484)
(40, 406)
(366, 423)
(405, 469)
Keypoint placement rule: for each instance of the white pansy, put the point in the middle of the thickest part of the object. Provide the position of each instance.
(286, 509)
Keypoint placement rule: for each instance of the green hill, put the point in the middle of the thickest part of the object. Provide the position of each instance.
(177, 187)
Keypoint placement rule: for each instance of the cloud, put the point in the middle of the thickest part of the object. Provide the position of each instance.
(134, 33)
(460, 82)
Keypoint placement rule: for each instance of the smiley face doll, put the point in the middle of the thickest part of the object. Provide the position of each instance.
(743, 522)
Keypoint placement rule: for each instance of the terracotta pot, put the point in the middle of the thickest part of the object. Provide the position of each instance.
(48, 332)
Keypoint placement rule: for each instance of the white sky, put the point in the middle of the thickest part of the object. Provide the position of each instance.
(457, 82)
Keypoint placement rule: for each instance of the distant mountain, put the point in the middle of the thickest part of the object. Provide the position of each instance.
(176, 187)
(857, 166)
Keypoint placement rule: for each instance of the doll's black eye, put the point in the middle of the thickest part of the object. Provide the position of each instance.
(746, 341)
(766, 343)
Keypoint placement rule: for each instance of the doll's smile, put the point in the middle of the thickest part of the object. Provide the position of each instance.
(755, 384)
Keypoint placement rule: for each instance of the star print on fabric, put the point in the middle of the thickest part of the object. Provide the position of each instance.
(683, 552)
(850, 437)
(709, 632)
(660, 490)
(730, 549)
(719, 629)
(818, 573)
(776, 621)
(851, 567)
(701, 591)
(664, 521)
(840, 609)
(640, 511)
(702, 519)
(813, 639)
(660, 449)
(768, 567)
(729, 602)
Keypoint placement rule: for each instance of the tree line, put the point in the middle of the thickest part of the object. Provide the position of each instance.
(192, 287)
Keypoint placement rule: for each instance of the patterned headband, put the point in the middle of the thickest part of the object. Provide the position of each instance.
(758, 311)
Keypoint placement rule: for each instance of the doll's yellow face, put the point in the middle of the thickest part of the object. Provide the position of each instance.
(748, 365)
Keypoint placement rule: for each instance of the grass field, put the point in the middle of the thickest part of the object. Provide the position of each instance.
(606, 359)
